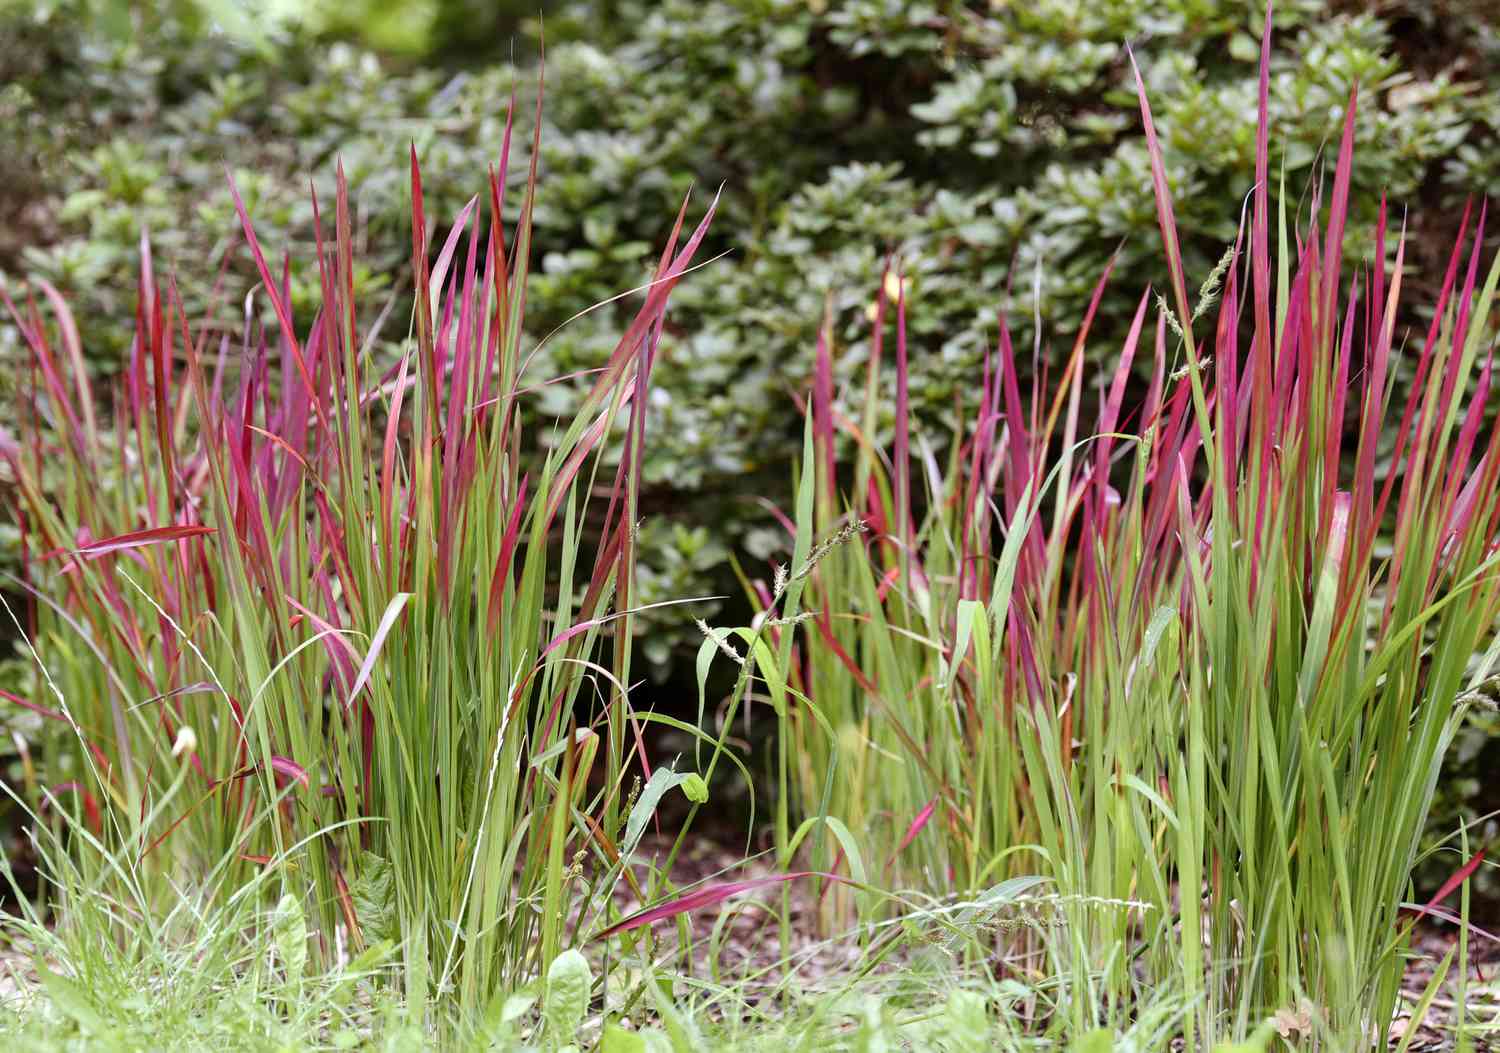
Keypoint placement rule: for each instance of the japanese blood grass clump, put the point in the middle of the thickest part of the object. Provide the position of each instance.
(1199, 661)
(365, 608)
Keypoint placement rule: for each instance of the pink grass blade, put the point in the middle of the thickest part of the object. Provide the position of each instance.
(913, 829)
(1166, 218)
(823, 428)
(1260, 236)
(51, 377)
(1073, 368)
(133, 540)
(710, 895)
(1109, 413)
(1446, 889)
(40, 710)
(388, 471)
(501, 574)
(73, 345)
(901, 455)
(278, 302)
(387, 622)
(290, 770)
(1333, 245)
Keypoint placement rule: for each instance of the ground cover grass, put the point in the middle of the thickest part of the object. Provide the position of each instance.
(1218, 644)
(1109, 736)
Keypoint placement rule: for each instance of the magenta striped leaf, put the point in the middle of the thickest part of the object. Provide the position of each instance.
(710, 895)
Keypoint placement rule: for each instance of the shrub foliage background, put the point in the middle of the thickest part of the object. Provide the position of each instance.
(988, 145)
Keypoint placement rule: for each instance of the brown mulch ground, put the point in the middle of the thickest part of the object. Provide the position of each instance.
(751, 946)
(1482, 997)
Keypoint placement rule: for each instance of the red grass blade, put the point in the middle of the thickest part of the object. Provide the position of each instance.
(823, 405)
(1333, 244)
(74, 347)
(708, 896)
(136, 539)
(17, 700)
(902, 453)
(42, 353)
(1446, 889)
(914, 829)
(90, 804)
(1166, 218)
(290, 769)
(1260, 245)
(501, 574)
(278, 302)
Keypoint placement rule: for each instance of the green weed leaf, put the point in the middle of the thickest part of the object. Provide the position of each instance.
(289, 936)
(618, 1040)
(567, 998)
(373, 892)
